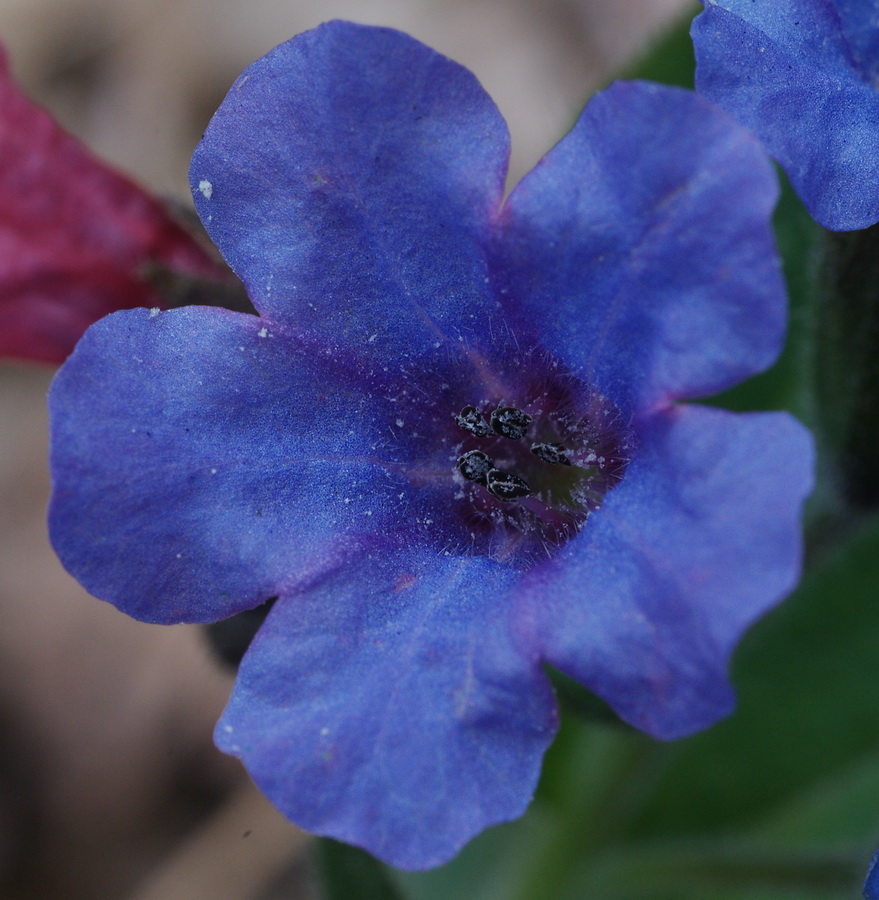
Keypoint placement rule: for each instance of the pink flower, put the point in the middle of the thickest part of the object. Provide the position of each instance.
(77, 239)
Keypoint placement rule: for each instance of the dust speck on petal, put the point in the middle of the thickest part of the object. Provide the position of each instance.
(206, 188)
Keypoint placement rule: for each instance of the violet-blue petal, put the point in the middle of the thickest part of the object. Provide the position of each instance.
(796, 73)
(204, 461)
(389, 704)
(348, 178)
(648, 263)
(700, 538)
(860, 26)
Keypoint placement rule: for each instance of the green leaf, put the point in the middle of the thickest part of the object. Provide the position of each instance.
(839, 809)
(349, 873)
(670, 60)
(698, 869)
(489, 868)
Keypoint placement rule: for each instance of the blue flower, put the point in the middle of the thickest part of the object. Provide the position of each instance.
(452, 443)
(803, 75)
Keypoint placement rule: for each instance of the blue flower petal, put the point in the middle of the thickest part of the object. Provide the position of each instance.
(204, 461)
(860, 25)
(700, 538)
(388, 704)
(813, 26)
(648, 262)
(791, 71)
(348, 178)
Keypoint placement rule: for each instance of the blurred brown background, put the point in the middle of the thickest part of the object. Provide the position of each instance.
(109, 784)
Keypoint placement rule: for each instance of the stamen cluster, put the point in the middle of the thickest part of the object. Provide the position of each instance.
(511, 423)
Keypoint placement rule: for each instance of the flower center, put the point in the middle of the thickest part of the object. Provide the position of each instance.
(530, 474)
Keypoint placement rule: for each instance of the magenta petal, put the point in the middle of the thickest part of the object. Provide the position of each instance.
(75, 236)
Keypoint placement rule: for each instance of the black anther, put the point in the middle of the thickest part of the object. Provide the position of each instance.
(472, 420)
(506, 486)
(510, 422)
(475, 466)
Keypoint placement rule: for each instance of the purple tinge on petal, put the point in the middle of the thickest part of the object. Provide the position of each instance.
(388, 704)
(702, 537)
(791, 70)
(203, 460)
(349, 178)
(642, 247)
